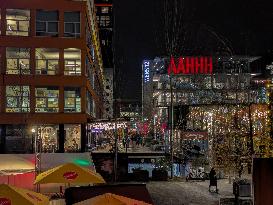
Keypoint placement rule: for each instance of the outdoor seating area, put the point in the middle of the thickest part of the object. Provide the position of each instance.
(69, 175)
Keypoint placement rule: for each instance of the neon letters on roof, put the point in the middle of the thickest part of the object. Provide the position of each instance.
(190, 65)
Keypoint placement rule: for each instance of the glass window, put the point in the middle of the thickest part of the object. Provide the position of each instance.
(18, 60)
(47, 61)
(104, 9)
(18, 21)
(17, 99)
(89, 103)
(47, 99)
(72, 138)
(72, 61)
(47, 23)
(89, 71)
(72, 100)
(49, 139)
(72, 24)
(104, 21)
(18, 139)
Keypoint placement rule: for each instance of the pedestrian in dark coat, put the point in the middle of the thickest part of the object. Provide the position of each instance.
(212, 179)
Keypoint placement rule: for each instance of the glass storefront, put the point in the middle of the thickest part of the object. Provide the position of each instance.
(72, 138)
(21, 138)
(49, 137)
(18, 139)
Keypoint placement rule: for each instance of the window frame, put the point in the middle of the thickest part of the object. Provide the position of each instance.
(46, 69)
(46, 99)
(18, 64)
(19, 100)
(17, 31)
(72, 109)
(75, 34)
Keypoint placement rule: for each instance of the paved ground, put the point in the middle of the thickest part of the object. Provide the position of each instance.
(187, 193)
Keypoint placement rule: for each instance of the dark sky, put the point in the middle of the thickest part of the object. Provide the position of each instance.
(245, 25)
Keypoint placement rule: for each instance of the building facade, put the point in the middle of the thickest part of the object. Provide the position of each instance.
(213, 100)
(104, 13)
(51, 74)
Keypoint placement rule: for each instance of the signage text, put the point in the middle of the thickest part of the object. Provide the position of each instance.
(191, 65)
(146, 70)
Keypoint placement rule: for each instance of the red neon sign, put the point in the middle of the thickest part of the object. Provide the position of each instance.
(191, 65)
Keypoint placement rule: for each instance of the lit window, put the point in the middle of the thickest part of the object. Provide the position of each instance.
(47, 99)
(17, 99)
(47, 23)
(47, 61)
(72, 100)
(72, 24)
(49, 137)
(104, 10)
(104, 21)
(18, 60)
(72, 61)
(18, 21)
(72, 138)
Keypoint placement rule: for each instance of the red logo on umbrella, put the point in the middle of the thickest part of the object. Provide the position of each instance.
(70, 175)
(5, 201)
(34, 197)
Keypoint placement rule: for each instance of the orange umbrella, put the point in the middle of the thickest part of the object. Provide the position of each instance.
(111, 199)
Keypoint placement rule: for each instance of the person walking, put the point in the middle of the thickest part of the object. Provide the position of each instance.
(213, 179)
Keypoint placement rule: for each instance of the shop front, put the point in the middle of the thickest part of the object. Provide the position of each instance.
(219, 96)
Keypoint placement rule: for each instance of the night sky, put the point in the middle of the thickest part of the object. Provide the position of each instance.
(246, 26)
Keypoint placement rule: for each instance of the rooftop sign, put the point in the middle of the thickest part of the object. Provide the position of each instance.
(190, 65)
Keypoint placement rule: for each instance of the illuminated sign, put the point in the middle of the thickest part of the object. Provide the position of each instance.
(191, 65)
(70, 175)
(146, 70)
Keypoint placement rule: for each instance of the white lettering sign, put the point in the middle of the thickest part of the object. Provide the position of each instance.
(146, 74)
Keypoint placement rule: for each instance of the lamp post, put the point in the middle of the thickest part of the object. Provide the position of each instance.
(33, 140)
(155, 120)
(37, 151)
(172, 126)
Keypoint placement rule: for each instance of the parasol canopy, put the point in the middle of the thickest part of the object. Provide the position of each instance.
(69, 173)
(111, 199)
(10, 195)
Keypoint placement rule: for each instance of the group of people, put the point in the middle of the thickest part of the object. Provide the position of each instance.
(135, 138)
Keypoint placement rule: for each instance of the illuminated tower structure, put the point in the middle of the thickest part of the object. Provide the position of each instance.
(104, 13)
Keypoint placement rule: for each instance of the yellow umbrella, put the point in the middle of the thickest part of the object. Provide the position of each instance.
(10, 195)
(69, 173)
(111, 199)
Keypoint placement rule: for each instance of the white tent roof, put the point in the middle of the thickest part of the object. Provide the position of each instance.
(11, 164)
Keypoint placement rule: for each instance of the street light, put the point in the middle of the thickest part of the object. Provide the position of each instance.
(33, 140)
(37, 154)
